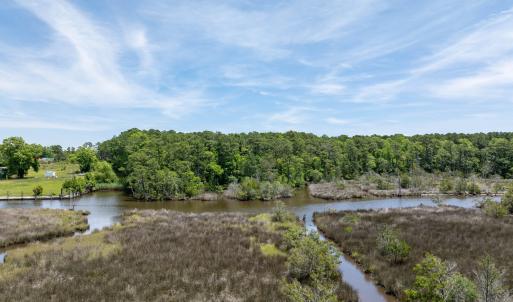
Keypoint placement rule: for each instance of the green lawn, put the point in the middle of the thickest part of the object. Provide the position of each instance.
(17, 187)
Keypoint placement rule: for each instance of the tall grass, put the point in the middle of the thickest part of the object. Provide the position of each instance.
(458, 235)
(24, 225)
(164, 256)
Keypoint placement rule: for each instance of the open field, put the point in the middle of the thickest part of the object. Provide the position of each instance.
(458, 235)
(19, 187)
(158, 256)
(24, 225)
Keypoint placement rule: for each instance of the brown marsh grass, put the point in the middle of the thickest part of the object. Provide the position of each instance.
(25, 225)
(459, 235)
(153, 256)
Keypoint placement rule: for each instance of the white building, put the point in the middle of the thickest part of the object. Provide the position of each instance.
(50, 174)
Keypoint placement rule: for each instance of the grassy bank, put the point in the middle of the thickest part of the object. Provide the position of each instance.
(159, 256)
(456, 235)
(51, 186)
(25, 225)
(379, 186)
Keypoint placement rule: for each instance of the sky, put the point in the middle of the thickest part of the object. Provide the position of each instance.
(77, 71)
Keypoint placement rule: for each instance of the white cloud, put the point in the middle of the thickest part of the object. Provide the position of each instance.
(487, 41)
(138, 40)
(494, 82)
(337, 121)
(476, 65)
(293, 115)
(268, 31)
(81, 65)
(328, 88)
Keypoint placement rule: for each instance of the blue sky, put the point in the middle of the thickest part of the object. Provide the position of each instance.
(76, 71)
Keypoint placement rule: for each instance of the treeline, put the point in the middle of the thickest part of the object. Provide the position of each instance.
(18, 156)
(156, 164)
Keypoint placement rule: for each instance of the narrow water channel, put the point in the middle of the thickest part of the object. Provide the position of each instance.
(106, 208)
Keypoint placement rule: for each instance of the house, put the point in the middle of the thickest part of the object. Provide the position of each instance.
(45, 160)
(50, 174)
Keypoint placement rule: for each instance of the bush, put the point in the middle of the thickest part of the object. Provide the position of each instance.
(437, 281)
(461, 187)
(248, 189)
(405, 181)
(383, 184)
(473, 188)
(38, 191)
(497, 188)
(280, 214)
(490, 282)
(102, 173)
(312, 259)
(390, 246)
(446, 186)
(252, 189)
(507, 199)
(74, 186)
(493, 208)
(312, 269)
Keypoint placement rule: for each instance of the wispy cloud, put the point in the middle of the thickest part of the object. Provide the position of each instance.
(337, 121)
(269, 31)
(81, 66)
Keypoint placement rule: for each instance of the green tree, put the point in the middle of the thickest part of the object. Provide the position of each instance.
(102, 172)
(74, 186)
(38, 191)
(19, 156)
(437, 281)
(312, 259)
(490, 282)
(86, 158)
(499, 157)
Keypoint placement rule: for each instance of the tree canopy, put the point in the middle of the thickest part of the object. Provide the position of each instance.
(170, 163)
(19, 157)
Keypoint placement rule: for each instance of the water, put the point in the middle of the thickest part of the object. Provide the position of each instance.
(107, 207)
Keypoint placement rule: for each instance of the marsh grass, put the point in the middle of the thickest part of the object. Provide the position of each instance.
(25, 225)
(157, 256)
(459, 235)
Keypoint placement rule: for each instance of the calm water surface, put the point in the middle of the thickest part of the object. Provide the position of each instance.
(107, 207)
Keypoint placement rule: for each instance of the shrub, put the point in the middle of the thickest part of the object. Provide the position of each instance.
(497, 188)
(318, 291)
(489, 280)
(74, 186)
(383, 184)
(446, 186)
(473, 188)
(390, 246)
(312, 259)
(507, 199)
(38, 191)
(461, 187)
(252, 189)
(437, 281)
(405, 181)
(280, 214)
(460, 288)
(493, 208)
(102, 172)
(314, 176)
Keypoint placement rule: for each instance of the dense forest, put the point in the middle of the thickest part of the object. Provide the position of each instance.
(167, 164)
